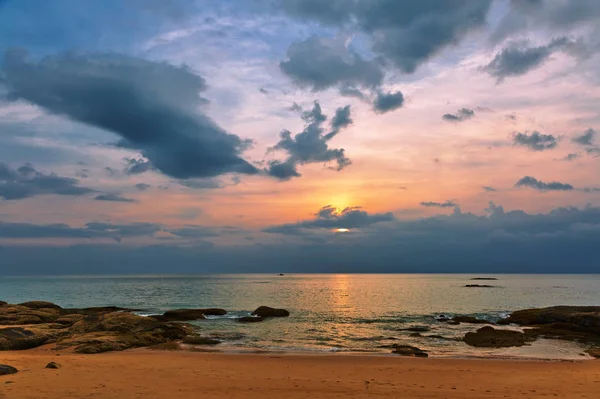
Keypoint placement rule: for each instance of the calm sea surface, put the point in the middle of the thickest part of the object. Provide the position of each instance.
(329, 313)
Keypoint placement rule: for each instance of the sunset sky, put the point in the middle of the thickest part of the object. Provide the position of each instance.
(151, 136)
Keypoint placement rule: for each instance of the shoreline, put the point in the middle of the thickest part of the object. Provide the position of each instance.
(157, 374)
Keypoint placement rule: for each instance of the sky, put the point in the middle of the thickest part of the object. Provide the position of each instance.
(176, 136)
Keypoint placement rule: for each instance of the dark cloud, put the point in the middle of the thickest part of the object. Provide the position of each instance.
(310, 145)
(111, 171)
(263, 91)
(586, 138)
(193, 231)
(350, 91)
(152, 106)
(135, 166)
(386, 102)
(26, 181)
(517, 59)
(113, 198)
(90, 230)
(405, 33)
(321, 63)
(536, 184)
(142, 186)
(571, 157)
(461, 115)
(202, 184)
(447, 204)
(489, 189)
(535, 141)
(330, 217)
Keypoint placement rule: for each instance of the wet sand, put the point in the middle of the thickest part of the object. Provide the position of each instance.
(147, 374)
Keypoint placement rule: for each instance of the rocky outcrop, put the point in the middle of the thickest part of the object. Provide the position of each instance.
(489, 337)
(189, 314)
(250, 319)
(265, 311)
(5, 369)
(407, 350)
(89, 330)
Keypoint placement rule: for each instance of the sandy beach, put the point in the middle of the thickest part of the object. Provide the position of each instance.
(144, 373)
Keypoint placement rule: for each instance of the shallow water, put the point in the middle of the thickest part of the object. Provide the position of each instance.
(330, 313)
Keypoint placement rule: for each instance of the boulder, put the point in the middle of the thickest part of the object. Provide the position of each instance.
(6, 369)
(17, 338)
(197, 340)
(189, 314)
(53, 365)
(265, 311)
(407, 350)
(470, 320)
(40, 305)
(489, 337)
(250, 319)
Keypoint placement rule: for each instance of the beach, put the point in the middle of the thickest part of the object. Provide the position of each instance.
(144, 373)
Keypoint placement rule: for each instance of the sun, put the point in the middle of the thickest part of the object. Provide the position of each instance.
(342, 230)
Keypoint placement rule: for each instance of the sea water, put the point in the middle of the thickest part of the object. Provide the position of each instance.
(330, 312)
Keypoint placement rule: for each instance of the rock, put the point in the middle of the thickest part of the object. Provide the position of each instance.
(479, 286)
(189, 314)
(197, 340)
(489, 337)
(265, 311)
(416, 329)
(415, 335)
(17, 315)
(407, 350)
(250, 319)
(470, 320)
(2, 303)
(6, 369)
(40, 305)
(17, 338)
(69, 319)
(594, 352)
(53, 365)
(484, 278)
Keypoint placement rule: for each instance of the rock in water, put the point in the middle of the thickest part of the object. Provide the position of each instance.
(479, 286)
(407, 350)
(5, 369)
(189, 314)
(470, 320)
(53, 365)
(265, 311)
(488, 337)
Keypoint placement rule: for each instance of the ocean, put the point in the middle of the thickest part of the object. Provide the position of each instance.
(330, 312)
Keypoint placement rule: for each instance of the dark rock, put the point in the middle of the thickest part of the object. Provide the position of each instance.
(250, 319)
(53, 365)
(281, 274)
(197, 340)
(479, 286)
(265, 311)
(2, 303)
(6, 369)
(17, 338)
(470, 320)
(416, 329)
(415, 335)
(488, 337)
(407, 350)
(484, 278)
(189, 314)
(40, 305)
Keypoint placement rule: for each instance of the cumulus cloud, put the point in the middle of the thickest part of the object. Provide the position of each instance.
(321, 63)
(587, 138)
(152, 106)
(26, 181)
(518, 58)
(536, 184)
(386, 102)
(461, 115)
(405, 34)
(330, 217)
(310, 145)
(535, 141)
(112, 197)
(447, 204)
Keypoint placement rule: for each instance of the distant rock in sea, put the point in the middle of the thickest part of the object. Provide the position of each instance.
(266, 311)
(470, 320)
(189, 314)
(484, 278)
(479, 286)
(250, 319)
